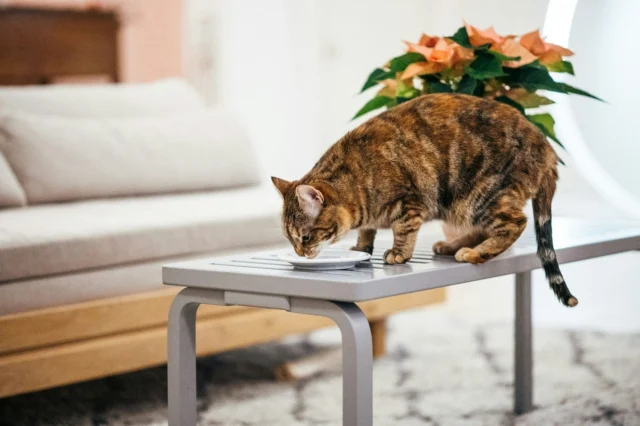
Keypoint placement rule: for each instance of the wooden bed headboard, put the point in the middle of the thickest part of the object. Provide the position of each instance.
(39, 45)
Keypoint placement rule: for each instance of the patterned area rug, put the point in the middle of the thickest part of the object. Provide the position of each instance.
(440, 370)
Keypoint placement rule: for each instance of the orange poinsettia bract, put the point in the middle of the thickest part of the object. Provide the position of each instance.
(547, 53)
(440, 53)
(478, 37)
(529, 48)
(507, 45)
(510, 47)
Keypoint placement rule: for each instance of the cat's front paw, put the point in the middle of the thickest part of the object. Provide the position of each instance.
(443, 248)
(395, 256)
(366, 249)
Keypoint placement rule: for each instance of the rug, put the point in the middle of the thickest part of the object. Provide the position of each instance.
(440, 370)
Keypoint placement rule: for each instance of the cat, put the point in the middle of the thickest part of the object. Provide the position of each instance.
(468, 161)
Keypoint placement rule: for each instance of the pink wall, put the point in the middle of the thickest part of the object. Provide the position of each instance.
(150, 39)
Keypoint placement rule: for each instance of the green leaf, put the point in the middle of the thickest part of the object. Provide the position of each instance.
(502, 57)
(544, 120)
(400, 63)
(532, 78)
(438, 87)
(406, 91)
(530, 100)
(570, 89)
(375, 77)
(536, 77)
(485, 66)
(534, 101)
(480, 89)
(546, 123)
(485, 46)
(510, 102)
(434, 85)
(535, 64)
(467, 85)
(461, 37)
(373, 104)
(561, 66)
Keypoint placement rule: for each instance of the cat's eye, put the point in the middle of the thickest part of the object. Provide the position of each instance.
(305, 239)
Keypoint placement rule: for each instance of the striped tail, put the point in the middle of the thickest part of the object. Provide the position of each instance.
(546, 252)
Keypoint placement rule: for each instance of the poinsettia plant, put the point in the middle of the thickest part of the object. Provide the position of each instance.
(510, 69)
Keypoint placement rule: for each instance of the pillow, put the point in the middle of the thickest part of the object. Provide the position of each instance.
(11, 194)
(162, 97)
(63, 159)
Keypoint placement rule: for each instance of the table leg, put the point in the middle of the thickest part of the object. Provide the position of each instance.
(181, 344)
(357, 356)
(523, 383)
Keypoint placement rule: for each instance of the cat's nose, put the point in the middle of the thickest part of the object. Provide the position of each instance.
(299, 251)
(311, 254)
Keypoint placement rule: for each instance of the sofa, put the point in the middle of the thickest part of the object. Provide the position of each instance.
(99, 187)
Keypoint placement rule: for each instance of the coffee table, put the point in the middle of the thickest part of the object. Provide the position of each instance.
(261, 280)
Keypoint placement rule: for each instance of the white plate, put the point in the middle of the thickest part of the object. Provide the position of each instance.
(327, 260)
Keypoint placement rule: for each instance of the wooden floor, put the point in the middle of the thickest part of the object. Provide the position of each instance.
(68, 344)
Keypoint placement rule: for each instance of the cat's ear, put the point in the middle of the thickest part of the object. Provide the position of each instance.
(310, 199)
(282, 185)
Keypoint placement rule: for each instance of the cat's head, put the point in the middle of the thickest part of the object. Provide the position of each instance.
(303, 223)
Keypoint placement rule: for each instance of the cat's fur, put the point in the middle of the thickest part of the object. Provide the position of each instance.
(468, 161)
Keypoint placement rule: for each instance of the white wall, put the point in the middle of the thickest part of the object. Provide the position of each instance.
(259, 59)
(293, 68)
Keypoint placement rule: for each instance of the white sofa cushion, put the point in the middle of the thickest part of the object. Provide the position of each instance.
(62, 238)
(76, 287)
(11, 193)
(162, 97)
(62, 159)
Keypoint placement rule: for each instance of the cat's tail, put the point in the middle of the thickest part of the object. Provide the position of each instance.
(546, 252)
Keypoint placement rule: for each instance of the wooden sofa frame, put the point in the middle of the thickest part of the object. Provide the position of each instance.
(67, 344)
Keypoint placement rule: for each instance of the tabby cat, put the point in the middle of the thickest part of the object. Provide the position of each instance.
(470, 162)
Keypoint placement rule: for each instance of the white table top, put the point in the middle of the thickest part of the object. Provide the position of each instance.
(263, 273)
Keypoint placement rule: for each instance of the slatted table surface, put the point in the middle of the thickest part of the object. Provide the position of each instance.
(261, 279)
(264, 273)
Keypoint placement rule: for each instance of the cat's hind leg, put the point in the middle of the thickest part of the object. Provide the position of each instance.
(366, 238)
(469, 239)
(405, 233)
(502, 229)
